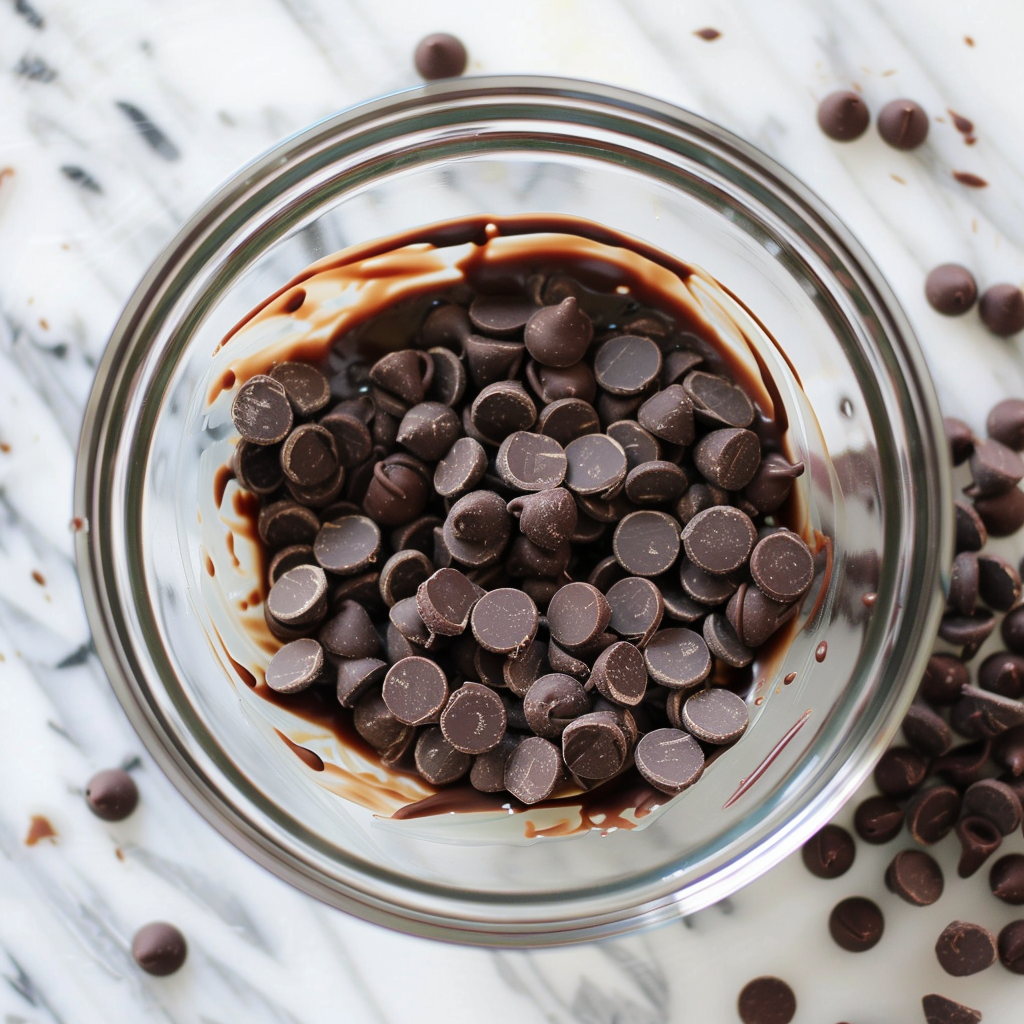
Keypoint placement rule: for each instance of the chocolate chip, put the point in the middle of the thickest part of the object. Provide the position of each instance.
(406, 375)
(1012, 630)
(829, 853)
(782, 566)
(577, 614)
(716, 400)
(112, 794)
(473, 720)
(715, 716)
(347, 545)
(352, 440)
(503, 316)
(843, 116)
(753, 616)
(719, 540)
(669, 759)
(375, 723)
(504, 621)
(995, 468)
(299, 597)
(559, 335)
(295, 666)
(967, 631)
(903, 124)
(963, 764)
(1005, 423)
(678, 658)
(899, 772)
(971, 532)
(159, 948)
(1001, 309)
(488, 772)
(261, 411)
(552, 702)
(627, 365)
(461, 469)
(1008, 750)
(856, 924)
(944, 677)
(428, 430)
(286, 523)
(307, 388)
(258, 467)
(680, 606)
(979, 839)
(998, 582)
(547, 518)
(490, 360)
(656, 483)
(619, 674)
(398, 490)
(994, 801)
(964, 948)
(639, 445)
(1011, 949)
(960, 439)
(402, 575)
(878, 819)
(561, 661)
(723, 643)
(950, 289)
(771, 483)
(1006, 879)
(729, 457)
(502, 409)
(932, 813)
(668, 415)
(355, 678)
(963, 583)
(981, 715)
(766, 1000)
(915, 877)
(926, 731)
(440, 55)
(533, 770)
(596, 465)
(449, 383)
(437, 760)
(415, 690)
(594, 746)
(646, 543)
(637, 607)
(349, 632)
(940, 1010)
(445, 601)
(553, 383)
(477, 529)
(531, 462)
(567, 419)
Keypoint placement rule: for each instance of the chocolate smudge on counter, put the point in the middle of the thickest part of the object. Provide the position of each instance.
(970, 180)
(81, 177)
(158, 141)
(968, 40)
(708, 34)
(39, 577)
(964, 126)
(39, 828)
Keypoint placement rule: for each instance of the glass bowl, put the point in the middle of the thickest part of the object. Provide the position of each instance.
(786, 284)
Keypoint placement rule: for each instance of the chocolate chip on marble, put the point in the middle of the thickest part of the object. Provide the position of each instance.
(715, 716)
(964, 948)
(964, 764)
(931, 814)
(552, 702)
(903, 124)
(1005, 423)
(1002, 514)
(626, 365)
(971, 532)
(960, 439)
(531, 462)
(766, 1000)
(915, 877)
(950, 289)
(473, 721)
(504, 621)
(656, 483)
(534, 770)
(878, 819)
(994, 801)
(159, 948)
(501, 409)
(261, 411)
(728, 457)
(307, 388)
(941, 1010)
(620, 675)
(577, 614)
(830, 852)
(258, 467)
(440, 55)
(979, 839)
(1011, 949)
(723, 642)
(964, 578)
(899, 772)
(646, 543)
(112, 794)
(295, 666)
(927, 731)
(299, 597)
(1006, 879)
(669, 415)
(285, 523)
(678, 658)
(415, 690)
(349, 632)
(1012, 630)
(856, 924)
(995, 468)
(719, 540)
(843, 116)
(1001, 309)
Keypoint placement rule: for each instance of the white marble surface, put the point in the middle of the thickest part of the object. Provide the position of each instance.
(86, 201)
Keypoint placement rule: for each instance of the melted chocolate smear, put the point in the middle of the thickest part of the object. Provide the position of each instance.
(39, 828)
(747, 783)
(970, 180)
(308, 757)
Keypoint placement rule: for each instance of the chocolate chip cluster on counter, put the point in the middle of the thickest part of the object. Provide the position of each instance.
(522, 550)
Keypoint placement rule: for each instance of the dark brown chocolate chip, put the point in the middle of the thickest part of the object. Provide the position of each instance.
(669, 759)
(461, 469)
(605, 573)
(963, 764)
(295, 666)
(349, 632)
(307, 388)
(903, 124)
(678, 658)
(843, 116)
(552, 702)
(566, 419)
(375, 723)
(782, 565)
(999, 582)
(1005, 423)
(402, 575)
(723, 643)
(967, 631)
(900, 772)
(449, 383)
(553, 383)
(531, 462)
(766, 1000)
(519, 674)
(503, 316)
(406, 375)
(505, 621)
(261, 411)
(415, 690)
(964, 948)
(715, 716)
(971, 532)
(856, 924)
(428, 430)
(1011, 949)
(940, 1010)
(112, 794)
(473, 720)
(501, 409)
(932, 813)
(258, 467)
(289, 558)
(656, 483)
(440, 55)
(490, 360)
(772, 483)
(950, 289)
(716, 400)
(352, 439)
(944, 678)
(627, 365)
(562, 661)
(477, 529)
(981, 715)
(829, 853)
(927, 731)
(963, 583)
(1012, 630)
(547, 518)
(398, 490)
(533, 770)
(445, 601)
(646, 543)
(753, 616)
(1002, 514)
(914, 876)
(668, 415)
(960, 439)
(559, 335)
(619, 674)
(704, 588)
(594, 746)
(639, 445)
(319, 495)
(285, 523)
(637, 608)
(299, 597)
(1008, 751)
(488, 772)
(405, 617)
(437, 760)
(596, 465)
(979, 839)
(577, 614)
(356, 677)
(1006, 879)
(995, 801)
(995, 468)
(729, 457)
(1002, 309)
(159, 948)
(719, 540)
(680, 606)
(878, 819)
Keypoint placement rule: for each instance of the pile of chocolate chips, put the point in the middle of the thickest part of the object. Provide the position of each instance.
(960, 769)
(520, 550)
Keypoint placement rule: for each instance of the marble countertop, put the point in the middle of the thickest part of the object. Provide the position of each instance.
(119, 117)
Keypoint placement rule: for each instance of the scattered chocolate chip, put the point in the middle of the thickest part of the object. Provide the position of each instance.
(1011, 948)
(619, 674)
(772, 483)
(1008, 750)
(950, 289)
(501, 409)
(656, 483)
(1005, 423)
(899, 772)
(878, 819)
(829, 853)
(637, 607)
(258, 467)
(440, 55)
(766, 1000)
(914, 876)
(719, 540)
(284, 523)
(856, 924)
(1006, 879)
(940, 1010)
(112, 794)
(964, 948)
(964, 578)
(843, 116)
(723, 643)
(356, 677)
(348, 545)
(979, 839)
(995, 468)
(159, 948)
(932, 813)
(559, 336)
(1001, 309)
(903, 124)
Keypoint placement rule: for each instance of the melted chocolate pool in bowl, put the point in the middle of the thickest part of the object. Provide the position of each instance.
(346, 312)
